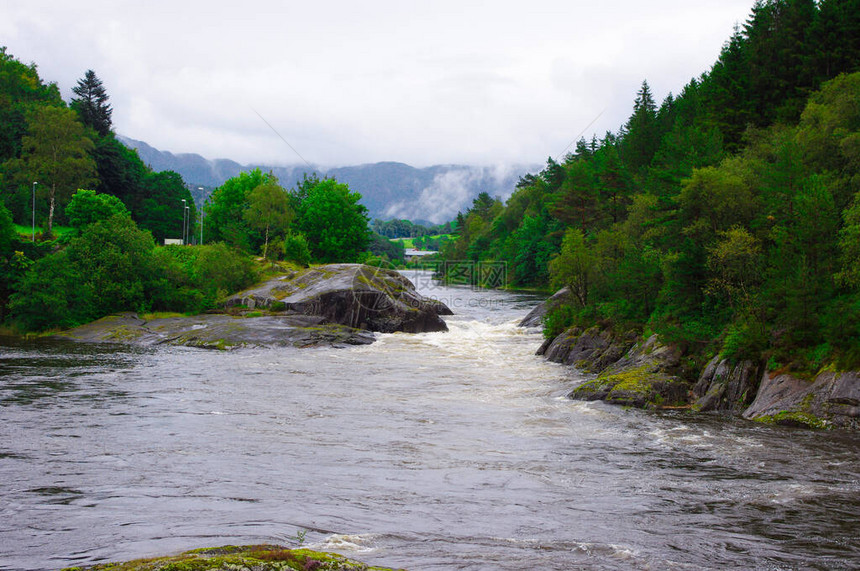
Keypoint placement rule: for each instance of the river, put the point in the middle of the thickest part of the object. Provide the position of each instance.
(448, 450)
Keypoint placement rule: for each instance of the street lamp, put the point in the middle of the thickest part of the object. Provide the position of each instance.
(187, 223)
(184, 208)
(200, 188)
(34, 210)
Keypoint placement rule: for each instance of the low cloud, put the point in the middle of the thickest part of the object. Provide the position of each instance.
(453, 191)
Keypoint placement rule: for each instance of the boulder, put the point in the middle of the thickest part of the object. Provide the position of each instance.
(536, 315)
(832, 399)
(643, 378)
(639, 387)
(592, 350)
(354, 295)
(727, 387)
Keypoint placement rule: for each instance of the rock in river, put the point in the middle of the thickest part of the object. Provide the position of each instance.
(257, 557)
(335, 305)
(354, 295)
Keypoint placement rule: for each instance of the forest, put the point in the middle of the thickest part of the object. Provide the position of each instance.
(726, 218)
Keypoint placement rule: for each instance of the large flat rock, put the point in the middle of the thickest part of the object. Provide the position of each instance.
(355, 295)
(220, 331)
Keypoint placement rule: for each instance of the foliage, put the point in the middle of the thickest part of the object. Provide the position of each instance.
(105, 269)
(162, 209)
(391, 249)
(335, 224)
(557, 320)
(294, 248)
(121, 173)
(407, 229)
(194, 279)
(225, 211)
(86, 207)
(269, 209)
(574, 266)
(92, 104)
(21, 89)
(55, 153)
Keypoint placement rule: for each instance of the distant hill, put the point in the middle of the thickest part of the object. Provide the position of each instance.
(389, 190)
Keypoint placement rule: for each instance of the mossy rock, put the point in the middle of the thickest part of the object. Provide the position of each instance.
(256, 557)
(796, 419)
(639, 387)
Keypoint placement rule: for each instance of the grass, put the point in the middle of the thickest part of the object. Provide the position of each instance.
(410, 242)
(27, 231)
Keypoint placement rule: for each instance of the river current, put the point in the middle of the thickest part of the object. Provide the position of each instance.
(452, 450)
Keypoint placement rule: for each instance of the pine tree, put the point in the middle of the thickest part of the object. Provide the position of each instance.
(92, 104)
(641, 135)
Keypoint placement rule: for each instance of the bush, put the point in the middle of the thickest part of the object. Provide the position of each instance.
(746, 339)
(295, 249)
(53, 293)
(557, 320)
(193, 279)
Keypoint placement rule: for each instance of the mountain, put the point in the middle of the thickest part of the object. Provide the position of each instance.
(389, 190)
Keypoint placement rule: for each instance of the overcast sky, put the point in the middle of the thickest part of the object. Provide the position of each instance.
(348, 82)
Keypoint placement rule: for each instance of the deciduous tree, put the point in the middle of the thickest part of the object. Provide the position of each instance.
(56, 155)
(269, 210)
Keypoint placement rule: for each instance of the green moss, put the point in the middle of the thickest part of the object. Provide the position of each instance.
(254, 314)
(637, 387)
(124, 333)
(257, 557)
(794, 418)
(635, 380)
(160, 315)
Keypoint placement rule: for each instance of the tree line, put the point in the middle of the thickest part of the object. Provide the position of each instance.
(62, 163)
(726, 218)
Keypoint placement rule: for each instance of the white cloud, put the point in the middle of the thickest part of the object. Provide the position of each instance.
(349, 82)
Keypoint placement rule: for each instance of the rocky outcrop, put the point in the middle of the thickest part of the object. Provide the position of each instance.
(536, 315)
(354, 295)
(591, 350)
(257, 557)
(727, 387)
(335, 306)
(831, 399)
(221, 331)
(643, 377)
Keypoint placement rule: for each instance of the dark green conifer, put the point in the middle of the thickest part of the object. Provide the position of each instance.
(92, 104)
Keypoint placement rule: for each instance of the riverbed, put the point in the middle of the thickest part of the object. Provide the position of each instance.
(450, 450)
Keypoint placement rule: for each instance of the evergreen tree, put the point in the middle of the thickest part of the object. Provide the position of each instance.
(642, 136)
(92, 104)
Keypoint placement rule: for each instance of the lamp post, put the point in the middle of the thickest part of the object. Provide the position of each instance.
(34, 210)
(200, 188)
(187, 223)
(184, 208)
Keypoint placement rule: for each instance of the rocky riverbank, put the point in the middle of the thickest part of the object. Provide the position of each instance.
(647, 373)
(335, 305)
(257, 557)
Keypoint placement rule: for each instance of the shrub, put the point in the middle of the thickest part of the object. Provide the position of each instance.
(295, 249)
(557, 320)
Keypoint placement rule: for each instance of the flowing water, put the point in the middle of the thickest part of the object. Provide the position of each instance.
(448, 450)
